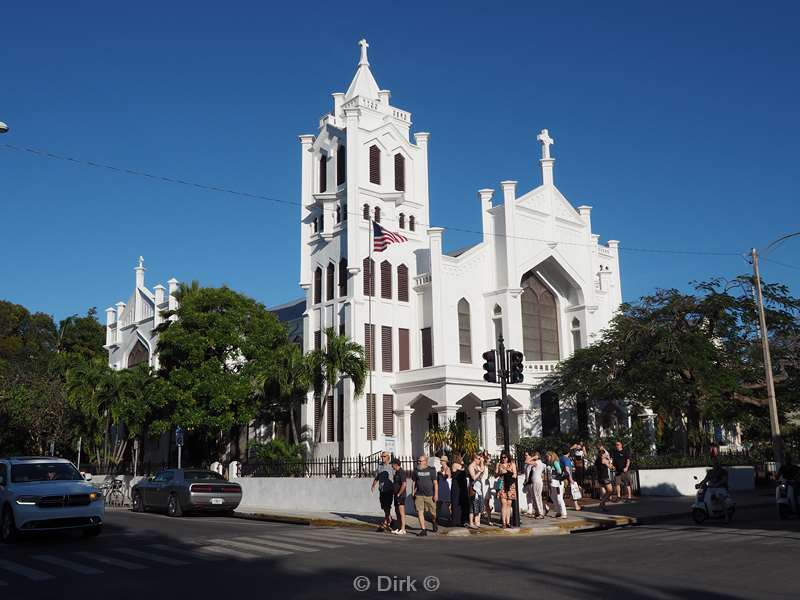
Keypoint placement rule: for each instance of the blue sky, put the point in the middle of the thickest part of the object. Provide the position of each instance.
(677, 122)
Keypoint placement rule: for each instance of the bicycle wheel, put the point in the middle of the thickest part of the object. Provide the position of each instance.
(116, 499)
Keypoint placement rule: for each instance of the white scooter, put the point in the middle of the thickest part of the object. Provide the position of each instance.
(713, 503)
(786, 499)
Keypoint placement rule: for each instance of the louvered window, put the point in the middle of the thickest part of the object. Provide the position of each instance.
(317, 412)
(411, 223)
(386, 280)
(404, 347)
(329, 419)
(344, 212)
(318, 285)
(365, 212)
(371, 417)
(341, 328)
(386, 349)
(369, 277)
(539, 320)
(343, 277)
(369, 345)
(427, 347)
(338, 214)
(329, 277)
(402, 221)
(340, 414)
(377, 214)
(318, 340)
(399, 172)
(316, 225)
(323, 173)
(322, 222)
(388, 414)
(341, 165)
(375, 165)
(464, 333)
(402, 283)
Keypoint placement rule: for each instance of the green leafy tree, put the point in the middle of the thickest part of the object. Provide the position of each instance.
(340, 358)
(83, 336)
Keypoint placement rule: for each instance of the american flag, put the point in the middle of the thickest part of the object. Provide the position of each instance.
(382, 238)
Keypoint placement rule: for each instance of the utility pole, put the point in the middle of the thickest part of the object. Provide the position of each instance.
(774, 423)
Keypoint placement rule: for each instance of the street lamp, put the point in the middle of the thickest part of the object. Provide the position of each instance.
(3, 127)
(774, 424)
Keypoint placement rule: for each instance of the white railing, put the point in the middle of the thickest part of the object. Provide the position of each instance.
(423, 279)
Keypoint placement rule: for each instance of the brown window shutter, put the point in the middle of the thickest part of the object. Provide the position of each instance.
(317, 412)
(344, 212)
(369, 277)
(318, 285)
(371, 417)
(386, 280)
(427, 347)
(411, 223)
(405, 347)
(464, 332)
(340, 414)
(388, 414)
(341, 328)
(399, 172)
(375, 165)
(343, 277)
(338, 214)
(341, 165)
(329, 281)
(323, 173)
(402, 221)
(402, 283)
(369, 345)
(365, 212)
(386, 349)
(377, 214)
(318, 340)
(330, 422)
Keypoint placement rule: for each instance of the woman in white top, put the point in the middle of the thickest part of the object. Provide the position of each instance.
(534, 484)
(476, 475)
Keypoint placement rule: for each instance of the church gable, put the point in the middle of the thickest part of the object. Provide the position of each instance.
(547, 201)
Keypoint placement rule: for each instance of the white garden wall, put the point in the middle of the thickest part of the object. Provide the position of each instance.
(681, 482)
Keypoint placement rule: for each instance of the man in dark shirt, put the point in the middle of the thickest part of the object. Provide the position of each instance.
(399, 489)
(383, 479)
(426, 492)
(621, 457)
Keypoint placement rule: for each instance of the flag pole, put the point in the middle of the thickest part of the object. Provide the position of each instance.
(371, 357)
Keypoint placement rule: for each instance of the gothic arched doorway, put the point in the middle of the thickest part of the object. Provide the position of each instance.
(139, 354)
(539, 320)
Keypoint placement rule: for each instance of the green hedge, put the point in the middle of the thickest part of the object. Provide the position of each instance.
(671, 461)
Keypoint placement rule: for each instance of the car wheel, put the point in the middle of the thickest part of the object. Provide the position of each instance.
(137, 504)
(699, 515)
(174, 507)
(92, 531)
(8, 529)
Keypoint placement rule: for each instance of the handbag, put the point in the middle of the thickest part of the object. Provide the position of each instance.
(575, 491)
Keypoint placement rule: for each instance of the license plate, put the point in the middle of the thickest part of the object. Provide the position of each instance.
(217, 501)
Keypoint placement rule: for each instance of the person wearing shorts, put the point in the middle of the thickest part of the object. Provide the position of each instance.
(621, 458)
(601, 465)
(399, 490)
(383, 479)
(425, 493)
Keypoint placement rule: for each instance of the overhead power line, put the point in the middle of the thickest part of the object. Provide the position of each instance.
(212, 188)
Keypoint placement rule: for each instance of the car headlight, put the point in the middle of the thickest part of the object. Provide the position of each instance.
(94, 496)
(27, 500)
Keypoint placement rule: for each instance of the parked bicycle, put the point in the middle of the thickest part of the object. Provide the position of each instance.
(114, 492)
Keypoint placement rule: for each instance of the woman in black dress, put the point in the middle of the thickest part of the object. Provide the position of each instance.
(459, 492)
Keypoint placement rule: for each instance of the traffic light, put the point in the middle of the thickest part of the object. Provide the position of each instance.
(490, 366)
(515, 359)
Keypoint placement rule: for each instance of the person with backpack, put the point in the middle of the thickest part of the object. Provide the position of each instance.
(556, 483)
(568, 468)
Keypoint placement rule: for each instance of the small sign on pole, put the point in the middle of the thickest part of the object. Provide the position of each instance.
(491, 403)
(390, 445)
(179, 442)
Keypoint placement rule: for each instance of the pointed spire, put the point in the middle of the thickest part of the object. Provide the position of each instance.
(363, 83)
(546, 160)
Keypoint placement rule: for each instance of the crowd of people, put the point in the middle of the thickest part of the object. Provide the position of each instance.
(465, 490)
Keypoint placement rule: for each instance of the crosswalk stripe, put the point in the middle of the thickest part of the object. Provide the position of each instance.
(350, 538)
(193, 553)
(279, 545)
(251, 548)
(67, 564)
(296, 537)
(165, 560)
(114, 562)
(26, 572)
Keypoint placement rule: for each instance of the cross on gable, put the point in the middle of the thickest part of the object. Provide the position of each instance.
(547, 141)
(364, 45)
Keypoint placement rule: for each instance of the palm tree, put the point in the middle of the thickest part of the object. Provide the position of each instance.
(340, 359)
(288, 379)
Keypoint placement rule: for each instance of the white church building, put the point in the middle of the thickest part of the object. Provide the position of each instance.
(540, 277)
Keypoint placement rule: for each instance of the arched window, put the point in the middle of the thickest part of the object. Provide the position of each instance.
(411, 223)
(341, 165)
(399, 172)
(402, 220)
(322, 222)
(464, 332)
(576, 334)
(344, 212)
(377, 214)
(402, 283)
(317, 285)
(365, 212)
(316, 225)
(343, 277)
(329, 277)
(375, 165)
(338, 214)
(386, 280)
(369, 277)
(138, 355)
(323, 173)
(539, 320)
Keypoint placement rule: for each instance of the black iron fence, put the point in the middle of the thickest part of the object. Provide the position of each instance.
(331, 467)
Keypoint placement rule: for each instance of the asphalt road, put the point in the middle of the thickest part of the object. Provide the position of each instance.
(150, 555)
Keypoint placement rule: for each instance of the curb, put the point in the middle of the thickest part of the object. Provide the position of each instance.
(660, 518)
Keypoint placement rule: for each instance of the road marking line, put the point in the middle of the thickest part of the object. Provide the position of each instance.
(351, 538)
(173, 562)
(279, 545)
(115, 562)
(294, 537)
(251, 548)
(184, 551)
(221, 550)
(67, 564)
(26, 572)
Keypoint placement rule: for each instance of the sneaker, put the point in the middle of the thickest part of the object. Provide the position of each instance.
(422, 533)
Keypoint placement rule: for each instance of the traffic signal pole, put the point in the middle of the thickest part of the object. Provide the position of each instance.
(504, 372)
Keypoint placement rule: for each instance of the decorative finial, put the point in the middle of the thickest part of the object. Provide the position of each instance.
(547, 141)
(364, 45)
(141, 263)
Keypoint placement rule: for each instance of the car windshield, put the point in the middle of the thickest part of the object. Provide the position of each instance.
(55, 471)
(202, 475)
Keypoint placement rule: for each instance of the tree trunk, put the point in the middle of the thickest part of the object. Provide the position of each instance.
(295, 437)
(318, 431)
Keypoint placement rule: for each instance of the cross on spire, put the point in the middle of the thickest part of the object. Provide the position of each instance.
(364, 45)
(547, 141)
